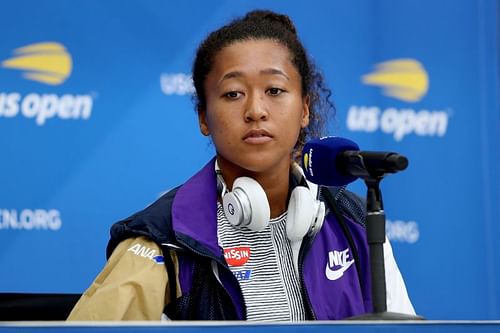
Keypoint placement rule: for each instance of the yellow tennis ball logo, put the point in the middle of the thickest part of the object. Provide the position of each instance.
(404, 79)
(47, 62)
(306, 160)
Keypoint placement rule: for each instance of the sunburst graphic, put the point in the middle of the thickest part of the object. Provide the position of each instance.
(46, 62)
(404, 79)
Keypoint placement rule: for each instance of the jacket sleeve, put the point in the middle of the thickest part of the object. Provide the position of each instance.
(132, 286)
(397, 296)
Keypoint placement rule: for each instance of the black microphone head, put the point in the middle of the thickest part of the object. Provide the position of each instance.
(319, 160)
(397, 162)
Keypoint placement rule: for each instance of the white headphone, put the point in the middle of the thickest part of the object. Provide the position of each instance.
(247, 206)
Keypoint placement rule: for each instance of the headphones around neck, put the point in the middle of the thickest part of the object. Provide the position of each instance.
(246, 205)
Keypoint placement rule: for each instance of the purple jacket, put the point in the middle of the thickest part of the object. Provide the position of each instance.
(185, 220)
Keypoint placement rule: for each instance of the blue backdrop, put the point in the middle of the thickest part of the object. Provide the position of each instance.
(96, 121)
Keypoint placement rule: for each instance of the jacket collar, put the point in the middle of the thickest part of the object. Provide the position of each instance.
(194, 211)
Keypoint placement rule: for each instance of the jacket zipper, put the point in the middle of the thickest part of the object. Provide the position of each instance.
(223, 264)
(306, 244)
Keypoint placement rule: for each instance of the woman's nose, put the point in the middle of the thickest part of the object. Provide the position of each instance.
(256, 108)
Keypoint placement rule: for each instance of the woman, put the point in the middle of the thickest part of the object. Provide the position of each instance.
(247, 237)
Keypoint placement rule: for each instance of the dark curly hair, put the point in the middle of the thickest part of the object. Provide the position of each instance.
(264, 24)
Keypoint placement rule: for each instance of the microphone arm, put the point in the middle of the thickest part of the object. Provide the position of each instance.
(372, 167)
(375, 231)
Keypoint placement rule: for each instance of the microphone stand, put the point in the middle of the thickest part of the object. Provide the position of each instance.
(375, 230)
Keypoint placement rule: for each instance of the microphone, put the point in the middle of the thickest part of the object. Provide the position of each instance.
(336, 161)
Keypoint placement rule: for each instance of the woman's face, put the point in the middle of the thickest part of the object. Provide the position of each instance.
(254, 106)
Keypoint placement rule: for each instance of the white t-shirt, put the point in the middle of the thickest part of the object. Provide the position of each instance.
(262, 261)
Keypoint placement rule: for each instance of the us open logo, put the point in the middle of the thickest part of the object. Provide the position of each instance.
(50, 64)
(407, 81)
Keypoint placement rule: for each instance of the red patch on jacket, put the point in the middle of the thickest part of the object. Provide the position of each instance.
(237, 256)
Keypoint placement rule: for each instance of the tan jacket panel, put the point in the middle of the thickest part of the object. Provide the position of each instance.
(132, 286)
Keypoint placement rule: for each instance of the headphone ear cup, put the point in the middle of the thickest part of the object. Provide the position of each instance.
(247, 205)
(301, 213)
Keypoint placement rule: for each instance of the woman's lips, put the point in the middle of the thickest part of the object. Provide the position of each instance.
(257, 136)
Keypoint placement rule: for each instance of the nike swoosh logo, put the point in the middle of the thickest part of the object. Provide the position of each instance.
(333, 275)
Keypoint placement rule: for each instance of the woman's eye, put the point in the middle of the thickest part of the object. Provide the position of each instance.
(232, 94)
(274, 91)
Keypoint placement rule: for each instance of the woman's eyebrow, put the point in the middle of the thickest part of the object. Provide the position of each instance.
(230, 75)
(274, 71)
(267, 71)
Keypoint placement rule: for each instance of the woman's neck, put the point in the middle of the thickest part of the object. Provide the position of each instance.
(275, 182)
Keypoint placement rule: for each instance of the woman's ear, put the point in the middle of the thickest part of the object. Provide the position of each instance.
(202, 121)
(304, 121)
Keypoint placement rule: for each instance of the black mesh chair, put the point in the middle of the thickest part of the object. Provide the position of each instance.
(39, 307)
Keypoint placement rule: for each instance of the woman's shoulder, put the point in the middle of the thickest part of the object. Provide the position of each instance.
(153, 222)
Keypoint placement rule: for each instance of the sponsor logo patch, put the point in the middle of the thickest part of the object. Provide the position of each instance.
(146, 252)
(243, 274)
(338, 263)
(237, 256)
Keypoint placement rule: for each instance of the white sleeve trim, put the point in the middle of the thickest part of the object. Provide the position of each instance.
(397, 296)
